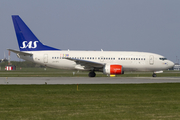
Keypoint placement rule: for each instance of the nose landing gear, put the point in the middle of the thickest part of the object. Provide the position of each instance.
(154, 75)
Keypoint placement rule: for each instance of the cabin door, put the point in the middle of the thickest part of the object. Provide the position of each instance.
(151, 59)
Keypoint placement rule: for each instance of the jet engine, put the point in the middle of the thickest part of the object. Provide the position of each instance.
(113, 69)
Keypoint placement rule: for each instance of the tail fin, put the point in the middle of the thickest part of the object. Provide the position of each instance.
(26, 39)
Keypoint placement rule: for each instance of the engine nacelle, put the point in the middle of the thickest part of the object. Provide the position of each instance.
(113, 69)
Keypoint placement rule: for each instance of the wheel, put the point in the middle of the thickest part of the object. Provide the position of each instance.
(92, 74)
(154, 75)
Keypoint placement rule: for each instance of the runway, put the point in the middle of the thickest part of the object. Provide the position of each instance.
(86, 80)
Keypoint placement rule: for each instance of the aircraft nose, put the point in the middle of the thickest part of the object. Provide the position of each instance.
(171, 64)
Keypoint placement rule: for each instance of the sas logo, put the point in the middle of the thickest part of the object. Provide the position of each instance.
(29, 45)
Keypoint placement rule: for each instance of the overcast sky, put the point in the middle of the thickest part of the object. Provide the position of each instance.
(113, 25)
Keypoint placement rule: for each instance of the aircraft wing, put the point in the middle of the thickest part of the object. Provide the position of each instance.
(20, 52)
(87, 63)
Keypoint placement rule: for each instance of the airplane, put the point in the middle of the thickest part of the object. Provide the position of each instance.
(107, 62)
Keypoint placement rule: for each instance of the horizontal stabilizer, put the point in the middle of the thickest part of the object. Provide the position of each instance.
(20, 52)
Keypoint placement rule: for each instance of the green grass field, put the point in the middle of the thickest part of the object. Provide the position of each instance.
(50, 72)
(90, 102)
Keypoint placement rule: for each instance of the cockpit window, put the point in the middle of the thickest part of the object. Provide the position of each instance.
(163, 58)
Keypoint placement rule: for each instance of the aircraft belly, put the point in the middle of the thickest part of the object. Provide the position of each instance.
(141, 67)
(28, 58)
(62, 64)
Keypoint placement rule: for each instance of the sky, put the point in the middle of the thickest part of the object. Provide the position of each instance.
(111, 25)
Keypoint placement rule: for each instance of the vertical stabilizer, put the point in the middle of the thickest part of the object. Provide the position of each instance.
(27, 41)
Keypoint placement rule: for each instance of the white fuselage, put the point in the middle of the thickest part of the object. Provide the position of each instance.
(131, 61)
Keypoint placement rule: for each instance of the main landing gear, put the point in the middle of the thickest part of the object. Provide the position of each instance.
(92, 74)
(154, 75)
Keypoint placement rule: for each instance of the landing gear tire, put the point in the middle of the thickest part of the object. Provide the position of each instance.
(92, 74)
(154, 75)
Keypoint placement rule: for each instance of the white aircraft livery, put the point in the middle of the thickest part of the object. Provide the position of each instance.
(108, 62)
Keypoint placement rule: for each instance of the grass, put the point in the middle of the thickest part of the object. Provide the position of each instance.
(103, 102)
(41, 72)
(50, 72)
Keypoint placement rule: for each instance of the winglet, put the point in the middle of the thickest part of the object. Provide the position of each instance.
(27, 41)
